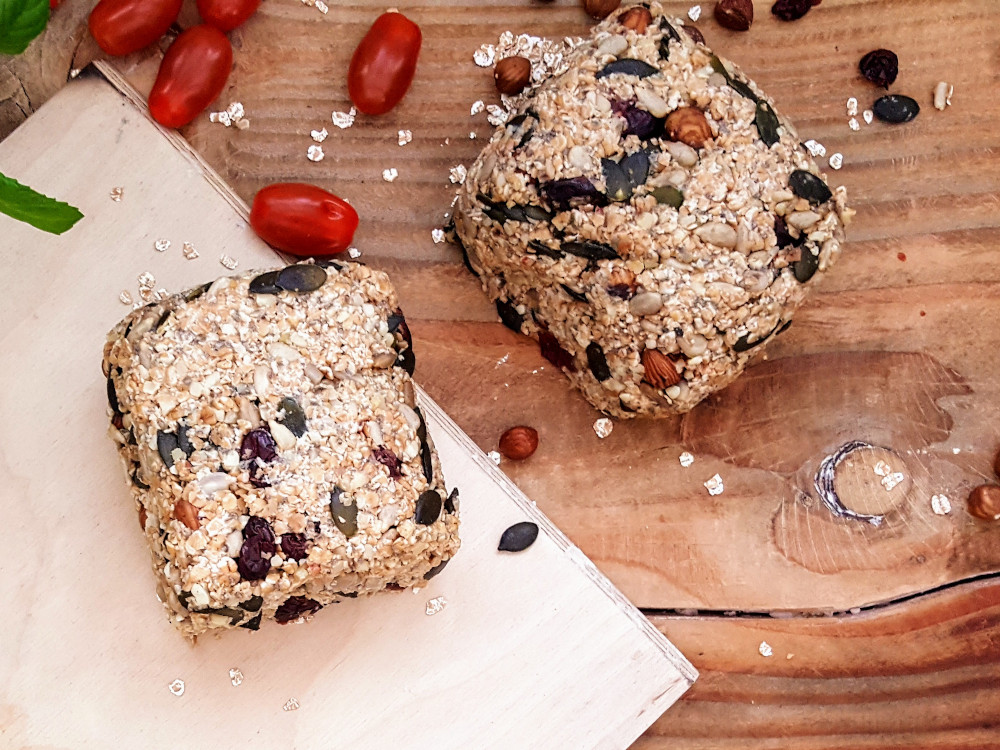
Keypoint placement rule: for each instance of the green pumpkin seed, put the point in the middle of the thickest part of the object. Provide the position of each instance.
(809, 186)
(590, 249)
(806, 267)
(668, 195)
(767, 124)
(629, 67)
(301, 277)
(436, 569)
(542, 249)
(266, 283)
(619, 186)
(345, 517)
(636, 167)
(294, 418)
(428, 508)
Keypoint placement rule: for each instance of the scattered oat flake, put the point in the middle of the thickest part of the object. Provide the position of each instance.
(494, 456)
(177, 687)
(472, 135)
(603, 427)
(815, 148)
(354, 252)
(765, 649)
(146, 279)
(956, 451)
(891, 481)
(942, 95)
(242, 124)
(437, 235)
(868, 116)
(715, 485)
(853, 124)
(235, 110)
(189, 251)
(852, 107)
(117, 193)
(235, 677)
(162, 245)
(344, 119)
(694, 12)
(228, 262)
(125, 297)
(457, 174)
(882, 469)
(502, 360)
(319, 135)
(484, 56)
(496, 115)
(404, 136)
(315, 153)
(686, 459)
(435, 605)
(389, 175)
(941, 505)
(290, 705)
(322, 7)
(836, 160)
(74, 72)
(477, 107)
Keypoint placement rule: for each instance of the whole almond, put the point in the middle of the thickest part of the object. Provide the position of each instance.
(187, 514)
(637, 19)
(688, 125)
(984, 502)
(735, 15)
(659, 369)
(600, 9)
(512, 74)
(519, 442)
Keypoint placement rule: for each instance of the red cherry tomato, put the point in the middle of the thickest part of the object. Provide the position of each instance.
(192, 74)
(383, 65)
(303, 220)
(121, 27)
(226, 15)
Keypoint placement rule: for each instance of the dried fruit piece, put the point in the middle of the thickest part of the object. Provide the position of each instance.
(639, 122)
(295, 607)
(809, 186)
(600, 9)
(880, 66)
(518, 537)
(560, 192)
(597, 362)
(791, 10)
(290, 414)
(659, 369)
(258, 547)
(984, 502)
(428, 508)
(512, 74)
(345, 517)
(389, 460)
(295, 546)
(895, 108)
(518, 443)
(627, 66)
(258, 446)
(735, 15)
(554, 353)
(637, 19)
(688, 125)
(301, 277)
(996, 464)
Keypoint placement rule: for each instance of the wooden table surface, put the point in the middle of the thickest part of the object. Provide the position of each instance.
(881, 637)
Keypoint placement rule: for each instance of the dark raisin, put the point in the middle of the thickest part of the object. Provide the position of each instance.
(258, 446)
(590, 249)
(509, 315)
(266, 283)
(542, 249)
(629, 67)
(880, 66)
(636, 167)
(518, 537)
(809, 186)
(616, 178)
(295, 546)
(300, 277)
(292, 416)
(258, 548)
(436, 569)
(578, 296)
(668, 195)
(638, 122)
(428, 508)
(805, 268)
(783, 236)
(597, 362)
(192, 294)
(449, 503)
(791, 10)
(560, 192)
(389, 460)
(767, 124)
(253, 604)
(166, 442)
(345, 517)
(253, 624)
(554, 353)
(113, 398)
(295, 607)
(895, 108)
(621, 291)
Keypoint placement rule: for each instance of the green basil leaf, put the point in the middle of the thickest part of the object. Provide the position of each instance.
(42, 212)
(20, 22)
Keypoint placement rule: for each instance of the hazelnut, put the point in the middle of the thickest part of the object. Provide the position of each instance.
(519, 442)
(512, 74)
(600, 9)
(688, 125)
(637, 19)
(984, 502)
(735, 15)
(660, 371)
(187, 514)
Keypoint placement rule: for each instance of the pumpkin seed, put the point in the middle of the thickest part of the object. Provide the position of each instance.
(518, 537)
(806, 267)
(767, 124)
(578, 296)
(743, 343)
(449, 503)
(668, 195)
(629, 67)
(345, 517)
(253, 604)
(138, 482)
(597, 362)
(809, 186)
(266, 283)
(428, 508)
(669, 35)
(301, 277)
(436, 569)
(619, 187)
(192, 294)
(162, 319)
(590, 249)
(426, 459)
(895, 108)
(509, 315)
(536, 213)
(166, 443)
(636, 167)
(113, 399)
(407, 361)
(253, 624)
(294, 418)
(234, 615)
(542, 249)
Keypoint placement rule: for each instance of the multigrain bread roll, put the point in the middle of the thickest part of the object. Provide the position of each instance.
(276, 453)
(648, 217)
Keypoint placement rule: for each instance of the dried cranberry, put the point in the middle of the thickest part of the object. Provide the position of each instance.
(561, 192)
(258, 444)
(258, 548)
(388, 459)
(295, 607)
(639, 122)
(791, 10)
(554, 353)
(784, 237)
(880, 66)
(294, 546)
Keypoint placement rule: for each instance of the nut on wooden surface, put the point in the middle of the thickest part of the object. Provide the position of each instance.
(660, 371)
(735, 15)
(519, 442)
(512, 74)
(600, 9)
(984, 502)
(637, 19)
(689, 125)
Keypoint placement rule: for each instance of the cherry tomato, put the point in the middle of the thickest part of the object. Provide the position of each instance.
(383, 65)
(121, 27)
(192, 74)
(303, 220)
(226, 15)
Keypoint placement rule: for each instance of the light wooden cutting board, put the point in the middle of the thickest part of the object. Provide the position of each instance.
(533, 650)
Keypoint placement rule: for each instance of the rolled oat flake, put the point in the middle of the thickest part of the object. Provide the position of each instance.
(896, 108)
